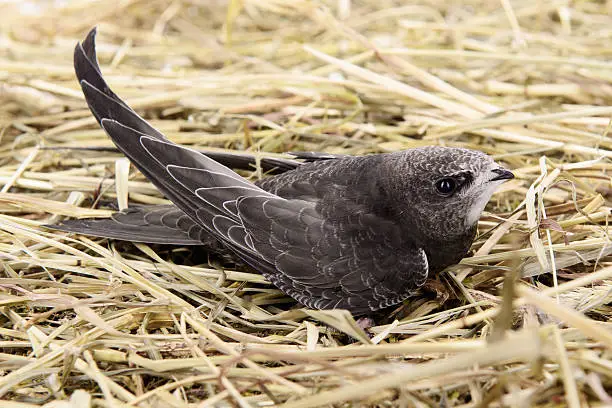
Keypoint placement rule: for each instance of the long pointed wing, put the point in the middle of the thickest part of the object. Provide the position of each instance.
(203, 189)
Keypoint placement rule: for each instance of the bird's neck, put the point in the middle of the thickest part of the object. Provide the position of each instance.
(448, 250)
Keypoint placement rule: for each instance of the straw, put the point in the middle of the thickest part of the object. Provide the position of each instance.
(523, 320)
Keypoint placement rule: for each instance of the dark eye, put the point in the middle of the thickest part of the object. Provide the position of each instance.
(446, 186)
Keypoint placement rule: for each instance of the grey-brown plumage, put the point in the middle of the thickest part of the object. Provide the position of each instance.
(358, 233)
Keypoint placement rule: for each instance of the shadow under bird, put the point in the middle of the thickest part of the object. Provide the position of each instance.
(359, 233)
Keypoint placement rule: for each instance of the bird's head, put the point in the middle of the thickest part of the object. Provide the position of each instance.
(446, 189)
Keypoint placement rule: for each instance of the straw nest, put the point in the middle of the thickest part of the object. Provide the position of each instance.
(524, 320)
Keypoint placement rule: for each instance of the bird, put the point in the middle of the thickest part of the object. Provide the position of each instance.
(360, 233)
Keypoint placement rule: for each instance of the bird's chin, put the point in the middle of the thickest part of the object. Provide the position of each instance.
(479, 204)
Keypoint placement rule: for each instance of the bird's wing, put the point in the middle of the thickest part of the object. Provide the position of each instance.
(270, 165)
(351, 259)
(155, 224)
(316, 156)
(202, 188)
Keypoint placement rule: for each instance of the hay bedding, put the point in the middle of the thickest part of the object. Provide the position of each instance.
(88, 322)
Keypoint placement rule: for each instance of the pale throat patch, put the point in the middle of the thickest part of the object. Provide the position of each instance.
(480, 203)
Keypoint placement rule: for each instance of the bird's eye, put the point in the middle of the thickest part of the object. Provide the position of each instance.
(446, 186)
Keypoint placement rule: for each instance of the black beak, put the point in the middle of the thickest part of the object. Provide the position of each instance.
(502, 174)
